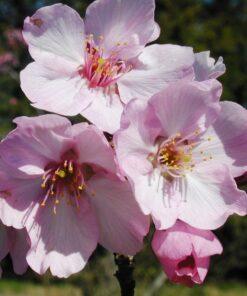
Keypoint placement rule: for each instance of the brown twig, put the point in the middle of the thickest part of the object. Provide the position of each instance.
(124, 274)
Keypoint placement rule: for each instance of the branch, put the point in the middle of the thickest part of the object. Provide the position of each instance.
(124, 274)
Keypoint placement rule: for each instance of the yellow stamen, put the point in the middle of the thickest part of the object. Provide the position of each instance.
(61, 173)
(187, 158)
(82, 187)
(101, 61)
(71, 169)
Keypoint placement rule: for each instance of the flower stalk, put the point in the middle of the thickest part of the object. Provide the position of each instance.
(124, 274)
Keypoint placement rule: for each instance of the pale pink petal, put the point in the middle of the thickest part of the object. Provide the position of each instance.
(149, 193)
(15, 151)
(164, 242)
(64, 241)
(228, 138)
(19, 245)
(18, 199)
(104, 111)
(93, 147)
(128, 22)
(55, 34)
(55, 90)
(211, 196)
(183, 107)
(35, 142)
(134, 141)
(52, 121)
(46, 134)
(156, 33)
(122, 224)
(139, 117)
(205, 243)
(205, 67)
(202, 266)
(156, 66)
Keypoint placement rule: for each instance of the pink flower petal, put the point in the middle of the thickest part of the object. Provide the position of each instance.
(34, 142)
(104, 111)
(55, 90)
(18, 199)
(194, 105)
(164, 241)
(122, 225)
(63, 241)
(135, 141)
(211, 196)
(156, 33)
(202, 268)
(228, 136)
(156, 66)
(55, 34)
(15, 242)
(205, 67)
(129, 22)
(149, 194)
(19, 246)
(92, 147)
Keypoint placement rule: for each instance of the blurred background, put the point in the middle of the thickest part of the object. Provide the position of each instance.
(218, 26)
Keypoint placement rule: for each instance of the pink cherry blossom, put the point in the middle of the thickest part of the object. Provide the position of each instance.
(61, 183)
(95, 68)
(181, 151)
(184, 252)
(16, 243)
(206, 68)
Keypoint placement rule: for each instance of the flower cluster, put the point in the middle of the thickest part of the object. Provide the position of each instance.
(159, 144)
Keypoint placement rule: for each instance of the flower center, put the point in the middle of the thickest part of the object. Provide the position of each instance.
(65, 180)
(188, 262)
(101, 71)
(176, 155)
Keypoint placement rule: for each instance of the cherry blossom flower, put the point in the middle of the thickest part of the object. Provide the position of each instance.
(96, 68)
(184, 252)
(16, 243)
(61, 183)
(181, 151)
(206, 68)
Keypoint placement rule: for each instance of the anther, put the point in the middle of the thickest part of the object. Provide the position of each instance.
(60, 173)
(71, 169)
(82, 187)
(43, 185)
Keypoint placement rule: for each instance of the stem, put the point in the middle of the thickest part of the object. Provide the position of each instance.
(124, 274)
